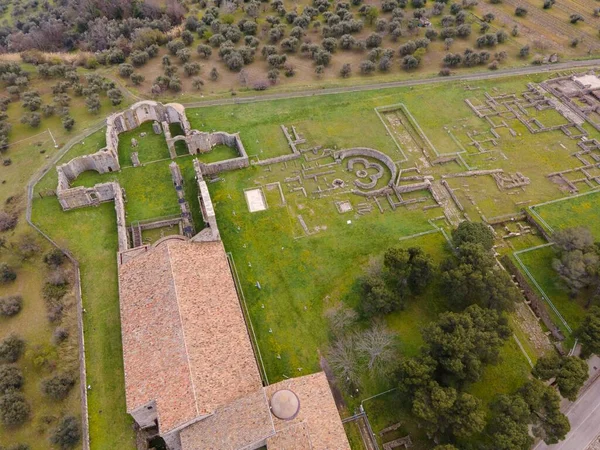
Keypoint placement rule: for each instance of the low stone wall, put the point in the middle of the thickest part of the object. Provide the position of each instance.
(372, 153)
(123, 238)
(278, 159)
(473, 173)
(536, 303)
(224, 166)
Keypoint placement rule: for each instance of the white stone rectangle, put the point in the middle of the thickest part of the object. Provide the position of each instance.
(255, 200)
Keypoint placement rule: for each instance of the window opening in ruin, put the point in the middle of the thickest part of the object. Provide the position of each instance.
(93, 196)
(109, 169)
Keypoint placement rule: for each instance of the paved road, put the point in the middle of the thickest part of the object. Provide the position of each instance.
(584, 416)
(530, 69)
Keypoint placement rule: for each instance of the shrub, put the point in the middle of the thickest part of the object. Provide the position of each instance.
(11, 349)
(67, 433)
(410, 62)
(184, 55)
(174, 46)
(60, 335)
(125, 70)
(7, 221)
(373, 40)
(68, 123)
(33, 119)
(367, 67)
(139, 58)
(197, 83)
(10, 305)
(520, 11)
(346, 70)
(11, 379)
(14, 409)
(115, 96)
(574, 18)
(204, 50)
(59, 386)
(260, 85)
(7, 274)
(27, 246)
(191, 69)
(137, 78)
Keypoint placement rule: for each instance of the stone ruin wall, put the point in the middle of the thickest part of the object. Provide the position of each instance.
(200, 142)
(107, 160)
(372, 153)
(101, 193)
(102, 161)
(211, 232)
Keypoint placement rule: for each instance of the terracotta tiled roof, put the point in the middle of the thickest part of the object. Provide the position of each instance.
(185, 342)
(318, 417)
(294, 437)
(243, 423)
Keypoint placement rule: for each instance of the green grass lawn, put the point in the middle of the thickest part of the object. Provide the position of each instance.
(151, 147)
(580, 211)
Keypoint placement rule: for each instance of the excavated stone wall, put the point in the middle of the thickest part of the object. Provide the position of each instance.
(211, 232)
(372, 153)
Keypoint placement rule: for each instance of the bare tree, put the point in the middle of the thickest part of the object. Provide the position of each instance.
(378, 346)
(340, 317)
(344, 361)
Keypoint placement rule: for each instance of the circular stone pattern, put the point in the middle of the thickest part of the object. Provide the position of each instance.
(338, 183)
(361, 173)
(285, 405)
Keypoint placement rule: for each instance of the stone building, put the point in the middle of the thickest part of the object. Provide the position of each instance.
(191, 375)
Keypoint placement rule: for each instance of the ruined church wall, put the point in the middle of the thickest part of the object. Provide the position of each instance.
(102, 161)
(80, 196)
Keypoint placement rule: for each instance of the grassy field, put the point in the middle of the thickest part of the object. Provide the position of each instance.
(317, 267)
(581, 210)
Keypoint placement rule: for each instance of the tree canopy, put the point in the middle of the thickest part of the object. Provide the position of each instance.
(549, 423)
(446, 411)
(474, 277)
(405, 272)
(569, 372)
(461, 343)
(589, 333)
(475, 233)
(578, 262)
(509, 425)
